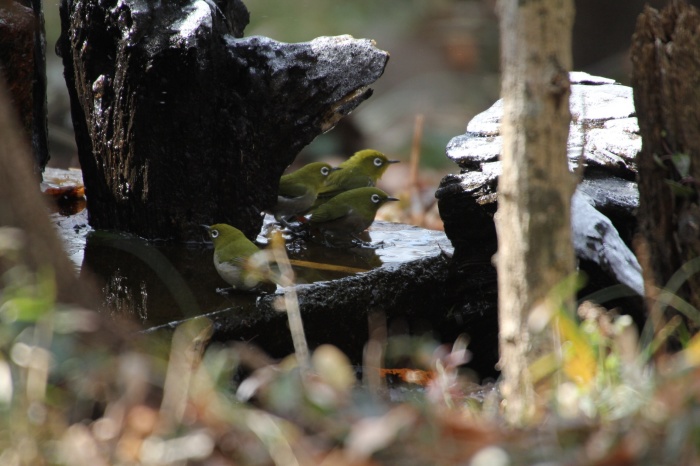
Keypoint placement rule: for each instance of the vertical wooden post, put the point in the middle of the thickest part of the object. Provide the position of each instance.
(535, 188)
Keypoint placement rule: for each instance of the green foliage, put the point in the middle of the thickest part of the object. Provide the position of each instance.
(324, 18)
(679, 181)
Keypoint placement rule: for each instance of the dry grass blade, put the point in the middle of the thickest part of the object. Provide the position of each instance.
(291, 303)
(323, 266)
(417, 209)
(186, 353)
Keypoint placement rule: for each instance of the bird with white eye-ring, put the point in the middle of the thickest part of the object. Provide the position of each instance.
(346, 215)
(298, 190)
(362, 170)
(234, 259)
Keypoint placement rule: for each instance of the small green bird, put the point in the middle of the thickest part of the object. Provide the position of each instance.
(361, 170)
(232, 254)
(348, 213)
(297, 190)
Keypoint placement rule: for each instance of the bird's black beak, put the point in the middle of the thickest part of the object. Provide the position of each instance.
(392, 198)
(206, 227)
(393, 161)
(335, 169)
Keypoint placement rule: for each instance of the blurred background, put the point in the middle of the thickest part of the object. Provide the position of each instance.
(444, 66)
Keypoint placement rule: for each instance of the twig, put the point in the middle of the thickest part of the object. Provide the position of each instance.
(417, 211)
(291, 303)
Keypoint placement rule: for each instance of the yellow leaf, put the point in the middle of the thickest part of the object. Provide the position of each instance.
(579, 358)
(690, 356)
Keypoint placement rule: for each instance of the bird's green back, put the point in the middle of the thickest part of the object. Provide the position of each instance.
(311, 176)
(361, 170)
(357, 201)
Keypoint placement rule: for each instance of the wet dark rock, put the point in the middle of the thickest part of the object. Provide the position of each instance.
(603, 132)
(410, 295)
(181, 121)
(603, 144)
(596, 240)
(405, 282)
(615, 197)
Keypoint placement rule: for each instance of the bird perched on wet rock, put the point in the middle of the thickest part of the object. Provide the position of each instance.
(349, 213)
(297, 190)
(232, 258)
(361, 170)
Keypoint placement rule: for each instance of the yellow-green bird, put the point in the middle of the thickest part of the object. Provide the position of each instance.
(232, 253)
(361, 170)
(298, 190)
(349, 213)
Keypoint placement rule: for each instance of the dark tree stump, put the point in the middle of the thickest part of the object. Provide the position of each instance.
(666, 81)
(23, 66)
(180, 122)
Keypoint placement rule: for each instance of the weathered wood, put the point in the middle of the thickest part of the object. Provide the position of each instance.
(666, 80)
(180, 121)
(535, 187)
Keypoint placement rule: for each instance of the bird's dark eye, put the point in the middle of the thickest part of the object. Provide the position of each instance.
(325, 171)
(214, 233)
(378, 162)
(375, 198)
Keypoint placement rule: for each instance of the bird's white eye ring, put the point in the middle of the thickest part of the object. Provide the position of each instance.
(214, 233)
(375, 198)
(378, 162)
(325, 171)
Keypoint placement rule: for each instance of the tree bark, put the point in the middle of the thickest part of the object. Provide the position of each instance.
(666, 79)
(535, 187)
(23, 66)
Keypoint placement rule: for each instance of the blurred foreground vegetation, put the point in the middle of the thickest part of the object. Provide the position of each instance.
(77, 388)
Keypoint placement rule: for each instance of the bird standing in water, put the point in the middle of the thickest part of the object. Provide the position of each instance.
(232, 257)
(349, 213)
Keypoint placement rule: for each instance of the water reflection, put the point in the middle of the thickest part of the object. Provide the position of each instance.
(157, 282)
(72, 229)
(119, 296)
(314, 262)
